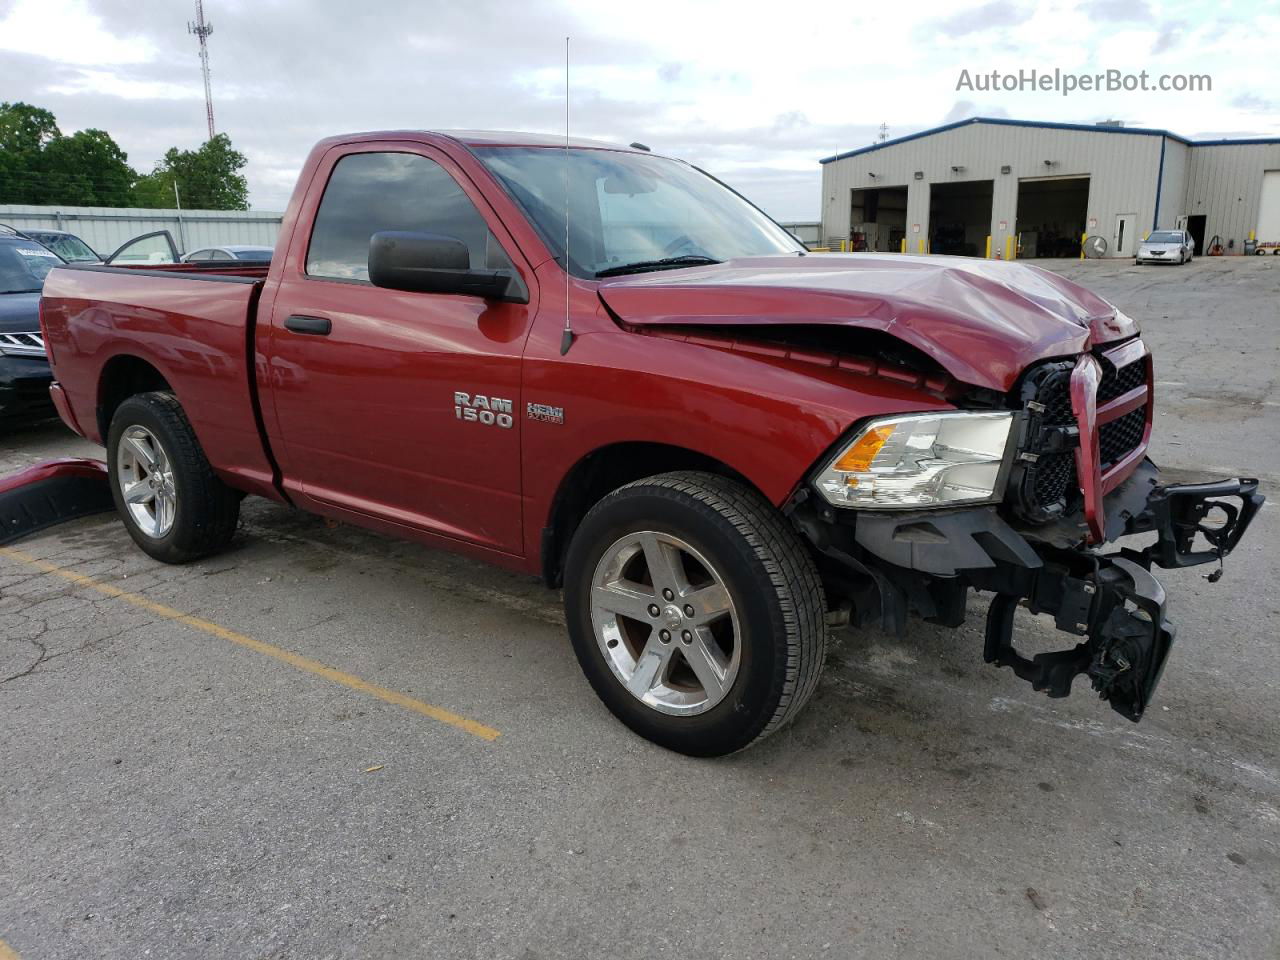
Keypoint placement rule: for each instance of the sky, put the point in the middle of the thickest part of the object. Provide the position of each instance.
(756, 93)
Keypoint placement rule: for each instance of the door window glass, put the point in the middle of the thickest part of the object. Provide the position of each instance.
(371, 192)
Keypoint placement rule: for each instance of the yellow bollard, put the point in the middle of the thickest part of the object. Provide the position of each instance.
(922, 244)
(1084, 238)
(904, 244)
(988, 253)
(1008, 247)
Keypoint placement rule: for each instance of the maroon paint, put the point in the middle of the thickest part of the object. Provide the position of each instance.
(983, 321)
(192, 331)
(1095, 482)
(48, 469)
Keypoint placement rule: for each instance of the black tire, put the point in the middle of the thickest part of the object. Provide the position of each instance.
(770, 577)
(206, 510)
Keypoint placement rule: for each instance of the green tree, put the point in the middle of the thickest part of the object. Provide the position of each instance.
(87, 168)
(24, 132)
(208, 178)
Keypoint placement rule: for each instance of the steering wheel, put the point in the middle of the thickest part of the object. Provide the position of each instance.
(680, 242)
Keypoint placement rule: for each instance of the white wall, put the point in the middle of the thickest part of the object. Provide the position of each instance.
(1225, 184)
(107, 228)
(1123, 169)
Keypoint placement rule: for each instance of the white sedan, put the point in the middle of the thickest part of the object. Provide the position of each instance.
(1166, 246)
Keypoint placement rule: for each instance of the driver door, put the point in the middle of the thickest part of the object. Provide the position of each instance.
(402, 406)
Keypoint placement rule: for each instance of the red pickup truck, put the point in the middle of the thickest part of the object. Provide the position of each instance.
(608, 368)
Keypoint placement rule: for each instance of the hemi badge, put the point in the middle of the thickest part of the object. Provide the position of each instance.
(544, 413)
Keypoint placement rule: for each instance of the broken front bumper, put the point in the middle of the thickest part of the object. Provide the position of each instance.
(928, 560)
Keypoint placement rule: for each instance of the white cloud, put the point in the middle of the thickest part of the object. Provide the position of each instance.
(753, 91)
(67, 31)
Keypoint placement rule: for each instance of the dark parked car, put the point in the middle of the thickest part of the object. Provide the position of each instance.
(24, 367)
(66, 245)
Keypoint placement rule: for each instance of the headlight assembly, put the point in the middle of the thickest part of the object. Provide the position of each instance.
(920, 460)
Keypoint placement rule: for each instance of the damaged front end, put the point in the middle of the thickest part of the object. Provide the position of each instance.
(1111, 600)
(1076, 479)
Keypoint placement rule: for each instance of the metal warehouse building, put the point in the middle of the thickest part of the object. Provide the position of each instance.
(1041, 186)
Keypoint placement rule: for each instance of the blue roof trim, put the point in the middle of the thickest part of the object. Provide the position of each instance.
(1235, 142)
(1047, 125)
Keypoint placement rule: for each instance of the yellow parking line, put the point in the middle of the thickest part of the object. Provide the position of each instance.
(7, 952)
(266, 649)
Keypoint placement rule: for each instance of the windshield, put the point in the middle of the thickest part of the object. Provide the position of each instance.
(632, 209)
(23, 267)
(253, 253)
(1165, 236)
(68, 247)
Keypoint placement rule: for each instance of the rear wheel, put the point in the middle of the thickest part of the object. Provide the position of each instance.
(165, 491)
(695, 612)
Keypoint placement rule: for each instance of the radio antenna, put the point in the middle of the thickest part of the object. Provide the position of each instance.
(566, 338)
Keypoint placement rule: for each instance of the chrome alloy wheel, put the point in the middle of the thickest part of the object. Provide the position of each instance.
(146, 481)
(665, 623)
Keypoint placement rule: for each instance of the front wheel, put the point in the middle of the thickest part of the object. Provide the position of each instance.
(166, 492)
(695, 611)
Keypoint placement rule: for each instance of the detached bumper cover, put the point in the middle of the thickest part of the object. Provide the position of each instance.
(51, 493)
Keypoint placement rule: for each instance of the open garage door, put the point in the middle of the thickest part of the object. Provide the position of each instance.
(878, 219)
(960, 217)
(1051, 217)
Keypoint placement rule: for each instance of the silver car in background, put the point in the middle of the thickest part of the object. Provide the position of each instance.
(231, 251)
(1166, 246)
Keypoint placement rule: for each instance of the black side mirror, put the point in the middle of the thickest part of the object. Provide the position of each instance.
(434, 263)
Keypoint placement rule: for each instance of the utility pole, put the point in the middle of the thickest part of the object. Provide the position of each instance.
(884, 127)
(202, 31)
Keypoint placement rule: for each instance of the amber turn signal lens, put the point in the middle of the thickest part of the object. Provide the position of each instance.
(857, 459)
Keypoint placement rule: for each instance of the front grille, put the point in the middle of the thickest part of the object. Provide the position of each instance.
(22, 344)
(1046, 482)
(1116, 383)
(1119, 437)
(1056, 397)
(1055, 475)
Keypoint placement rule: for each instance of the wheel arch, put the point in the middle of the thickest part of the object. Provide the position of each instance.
(602, 471)
(123, 376)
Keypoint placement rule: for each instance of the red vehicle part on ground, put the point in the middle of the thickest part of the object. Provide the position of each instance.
(678, 404)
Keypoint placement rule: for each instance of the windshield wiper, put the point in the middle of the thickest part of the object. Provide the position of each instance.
(640, 266)
(32, 290)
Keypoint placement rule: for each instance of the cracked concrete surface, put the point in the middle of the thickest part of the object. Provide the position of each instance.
(167, 792)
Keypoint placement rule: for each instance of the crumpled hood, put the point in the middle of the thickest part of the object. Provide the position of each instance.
(19, 312)
(984, 321)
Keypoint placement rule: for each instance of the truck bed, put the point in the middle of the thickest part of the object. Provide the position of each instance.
(190, 324)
